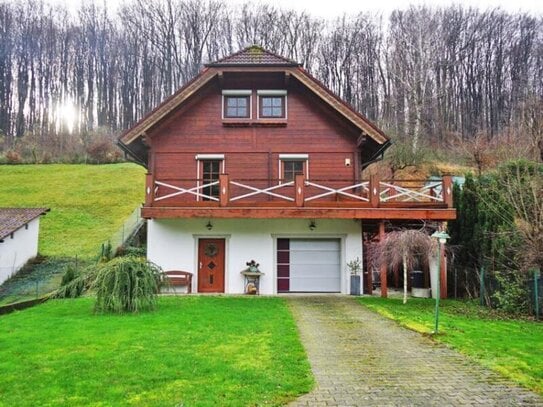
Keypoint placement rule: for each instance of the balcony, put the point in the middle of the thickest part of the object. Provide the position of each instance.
(301, 198)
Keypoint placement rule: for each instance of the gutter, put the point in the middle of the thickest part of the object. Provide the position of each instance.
(128, 151)
(378, 156)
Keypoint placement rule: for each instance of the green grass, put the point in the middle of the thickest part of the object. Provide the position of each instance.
(508, 346)
(88, 202)
(204, 351)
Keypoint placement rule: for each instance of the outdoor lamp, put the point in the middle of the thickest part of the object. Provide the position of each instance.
(441, 237)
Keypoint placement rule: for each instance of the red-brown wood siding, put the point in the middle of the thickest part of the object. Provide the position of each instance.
(252, 152)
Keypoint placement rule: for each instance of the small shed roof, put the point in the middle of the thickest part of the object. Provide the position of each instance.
(12, 219)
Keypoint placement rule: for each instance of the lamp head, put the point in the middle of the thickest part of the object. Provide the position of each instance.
(441, 236)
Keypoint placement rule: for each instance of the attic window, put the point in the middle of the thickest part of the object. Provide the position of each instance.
(272, 104)
(236, 104)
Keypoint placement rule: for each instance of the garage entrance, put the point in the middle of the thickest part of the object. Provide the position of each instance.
(308, 265)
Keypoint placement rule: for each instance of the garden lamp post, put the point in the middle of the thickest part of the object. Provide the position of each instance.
(441, 238)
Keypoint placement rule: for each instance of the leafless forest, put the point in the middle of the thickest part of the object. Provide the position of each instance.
(424, 75)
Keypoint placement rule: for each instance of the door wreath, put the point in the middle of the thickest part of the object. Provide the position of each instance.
(211, 250)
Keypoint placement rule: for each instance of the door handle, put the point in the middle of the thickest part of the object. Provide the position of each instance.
(200, 265)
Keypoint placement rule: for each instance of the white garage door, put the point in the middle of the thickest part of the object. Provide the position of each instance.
(308, 265)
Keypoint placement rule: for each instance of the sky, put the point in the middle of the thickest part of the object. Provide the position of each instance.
(332, 9)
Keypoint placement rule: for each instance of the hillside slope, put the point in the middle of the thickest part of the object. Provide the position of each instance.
(88, 202)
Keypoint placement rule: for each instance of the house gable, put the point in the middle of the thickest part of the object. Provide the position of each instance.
(253, 59)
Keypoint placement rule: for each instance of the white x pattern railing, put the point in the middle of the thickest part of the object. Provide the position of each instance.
(431, 192)
(395, 192)
(340, 191)
(266, 191)
(180, 191)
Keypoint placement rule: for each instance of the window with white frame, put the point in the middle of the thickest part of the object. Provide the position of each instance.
(209, 167)
(272, 104)
(236, 104)
(291, 165)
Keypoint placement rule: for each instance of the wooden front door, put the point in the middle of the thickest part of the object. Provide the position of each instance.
(211, 266)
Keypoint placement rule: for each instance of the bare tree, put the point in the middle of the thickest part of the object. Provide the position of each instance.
(532, 124)
(423, 75)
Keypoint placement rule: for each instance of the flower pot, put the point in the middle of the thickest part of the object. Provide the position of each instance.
(355, 285)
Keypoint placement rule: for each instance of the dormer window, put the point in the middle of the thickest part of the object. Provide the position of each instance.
(236, 104)
(272, 104)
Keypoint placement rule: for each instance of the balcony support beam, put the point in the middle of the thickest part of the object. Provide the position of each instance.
(224, 190)
(375, 189)
(149, 189)
(383, 266)
(283, 212)
(300, 189)
(447, 191)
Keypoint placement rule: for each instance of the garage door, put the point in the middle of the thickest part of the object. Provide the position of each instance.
(308, 265)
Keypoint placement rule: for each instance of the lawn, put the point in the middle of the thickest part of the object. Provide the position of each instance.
(88, 202)
(509, 346)
(205, 351)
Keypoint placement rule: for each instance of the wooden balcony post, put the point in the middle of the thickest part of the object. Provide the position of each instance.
(374, 191)
(299, 184)
(149, 189)
(447, 191)
(369, 282)
(383, 266)
(224, 188)
(368, 274)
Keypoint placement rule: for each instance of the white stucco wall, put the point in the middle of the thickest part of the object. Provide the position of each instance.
(16, 251)
(173, 245)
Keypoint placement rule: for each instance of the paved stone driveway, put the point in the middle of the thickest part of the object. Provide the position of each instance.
(361, 359)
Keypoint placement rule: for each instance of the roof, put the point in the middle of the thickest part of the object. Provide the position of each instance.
(341, 106)
(168, 105)
(253, 56)
(12, 219)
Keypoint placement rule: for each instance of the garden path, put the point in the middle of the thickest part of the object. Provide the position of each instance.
(359, 358)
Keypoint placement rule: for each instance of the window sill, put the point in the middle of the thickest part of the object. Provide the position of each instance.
(254, 122)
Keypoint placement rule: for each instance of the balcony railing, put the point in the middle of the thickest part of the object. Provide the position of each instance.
(301, 192)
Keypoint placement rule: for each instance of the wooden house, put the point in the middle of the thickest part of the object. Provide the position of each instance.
(255, 159)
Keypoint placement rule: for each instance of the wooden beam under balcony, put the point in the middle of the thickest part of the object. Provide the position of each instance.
(263, 212)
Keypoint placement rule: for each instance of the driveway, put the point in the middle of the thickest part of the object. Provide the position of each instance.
(362, 359)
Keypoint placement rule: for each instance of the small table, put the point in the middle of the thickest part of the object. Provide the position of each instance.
(252, 277)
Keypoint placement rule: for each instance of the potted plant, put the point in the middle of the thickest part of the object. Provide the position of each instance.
(252, 266)
(355, 267)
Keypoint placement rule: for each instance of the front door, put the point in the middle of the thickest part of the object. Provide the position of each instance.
(211, 266)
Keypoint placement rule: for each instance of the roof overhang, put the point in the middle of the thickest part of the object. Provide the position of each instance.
(13, 219)
(133, 143)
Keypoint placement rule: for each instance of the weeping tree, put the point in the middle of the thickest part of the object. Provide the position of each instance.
(127, 284)
(124, 284)
(404, 248)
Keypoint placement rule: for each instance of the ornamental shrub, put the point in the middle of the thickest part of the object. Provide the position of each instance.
(73, 283)
(127, 284)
